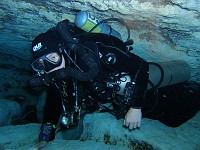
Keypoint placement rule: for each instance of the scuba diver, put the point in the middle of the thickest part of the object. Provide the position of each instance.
(82, 70)
(98, 68)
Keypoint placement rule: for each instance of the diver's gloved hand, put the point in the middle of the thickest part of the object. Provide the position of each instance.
(47, 132)
(133, 118)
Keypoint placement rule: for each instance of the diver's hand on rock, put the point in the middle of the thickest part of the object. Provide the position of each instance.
(133, 118)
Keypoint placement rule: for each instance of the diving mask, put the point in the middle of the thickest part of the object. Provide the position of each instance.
(46, 63)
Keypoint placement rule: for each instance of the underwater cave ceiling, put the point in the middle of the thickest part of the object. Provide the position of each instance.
(162, 30)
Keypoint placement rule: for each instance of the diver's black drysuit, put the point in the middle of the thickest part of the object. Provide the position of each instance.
(99, 47)
(103, 60)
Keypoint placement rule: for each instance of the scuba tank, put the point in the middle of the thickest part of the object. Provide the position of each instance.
(89, 23)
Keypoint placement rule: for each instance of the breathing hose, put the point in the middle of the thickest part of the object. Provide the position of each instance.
(52, 77)
(154, 88)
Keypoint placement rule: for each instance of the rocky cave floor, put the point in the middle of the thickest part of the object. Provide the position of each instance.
(103, 131)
